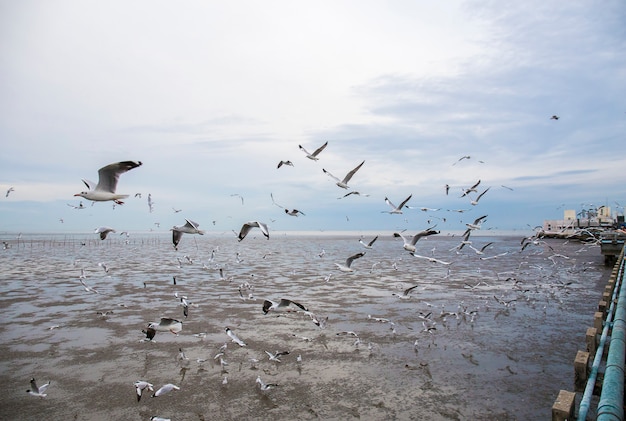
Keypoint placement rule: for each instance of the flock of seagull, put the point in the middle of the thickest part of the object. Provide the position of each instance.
(105, 190)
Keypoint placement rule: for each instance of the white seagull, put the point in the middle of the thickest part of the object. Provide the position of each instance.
(396, 209)
(10, 189)
(313, 156)
(283, 304)
(140, 385)
(477, 223)
(190, 227)
(107, 183)
(165, 389)
(344, 183)
(349, 260)
(294, 212)
(281, 163)
(475, 201)
(103, 231)
(431, 259)
(37, 391)
(276, 356)
(370, 244)
(245, 229)
(164, 325)
(409, 244)
(234, 337)
(263, 385)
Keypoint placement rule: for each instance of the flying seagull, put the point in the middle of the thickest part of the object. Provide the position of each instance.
(165, 389)
(283, 304)
(103, 231)
(234, 337)
(370, 244)
(281, 163)
(396, 209)
(263, 385)
(190, 227)
(409, 244)
(37, 391)
(349, 260)
(313, 156)
(140, 385)
(245, 229)
(294, 212)
(276, 356)
(471, 189)
(344, 183)
(164, 325)
(11, 189)
(477, 223)
(107, 183)
(475, 202)
(554, 117)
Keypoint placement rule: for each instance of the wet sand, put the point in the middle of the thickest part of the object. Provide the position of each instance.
(494, 362)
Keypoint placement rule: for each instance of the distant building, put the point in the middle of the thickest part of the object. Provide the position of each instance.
(572, 220)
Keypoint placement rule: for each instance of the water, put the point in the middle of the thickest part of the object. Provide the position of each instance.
(489, 361)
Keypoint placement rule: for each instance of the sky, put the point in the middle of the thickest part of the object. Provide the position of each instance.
(211, 95)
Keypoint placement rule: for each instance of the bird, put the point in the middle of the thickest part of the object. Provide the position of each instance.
(462, 158)
(281, 163)
(344, 183)
(11, 189)
(245, 228)
(37, 391)
(107, 183)
(471, 189)
(477, 223)
(190, 227)
(431, 259)
(265, 386)
(150, 203)
(406, 294)
(409, 244)
(370, 244)
(234, 337)
(396, 209)
(482, 249)
(103, 231)
(155, 418)
(348, 264)
(554, 117)
(475, 202)
(166, 324)
(80, 205)
(283, 304)
(165, 389)
(355, 193)
(140, 385)
(313, 156)
(276, 357)
(294, 212)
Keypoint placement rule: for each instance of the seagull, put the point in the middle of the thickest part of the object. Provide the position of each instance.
(263, 385)
(155, 418)
(471, 189)
(240, 196)
(349, 260)
(150, 203)
(276, 357)
(165, 389)
(294, 212)
(103, 231)
(368, 245)
(477, 223)
(140, 385)
(313, 156)
(176, 210)
(37, 391)
(11, 189)
(80, 205)
(287, 305)
(431, 259)
(251, 224)
(475, 202)
(344, 183)
(190, 227)
(409, 245)
(281, 163)
(406, 294)
(462, 158)
(554, 117)
(396, 209)
(107, 183)
(234, 337)
(165, 325)
(482, 249)
(355, 193)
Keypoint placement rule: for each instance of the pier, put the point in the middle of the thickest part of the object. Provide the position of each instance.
(599, 369)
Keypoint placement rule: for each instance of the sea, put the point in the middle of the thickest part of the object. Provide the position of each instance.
(445, 333)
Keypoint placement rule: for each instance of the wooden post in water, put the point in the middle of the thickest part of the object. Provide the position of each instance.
(581, 370)
(592, 340)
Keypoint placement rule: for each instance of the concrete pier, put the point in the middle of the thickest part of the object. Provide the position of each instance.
(590, 364)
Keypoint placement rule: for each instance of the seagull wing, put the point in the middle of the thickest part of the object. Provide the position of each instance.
(404, 202)
(350, 259)
(110, 174)
(176, 236)
(478, 220)
(481, 195)
(245, 229)
(373, 241)
(387, 201)
(351, 173)
(330, 175)
(320, 149)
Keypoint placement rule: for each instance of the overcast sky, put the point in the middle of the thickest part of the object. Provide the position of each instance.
(211, 95)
